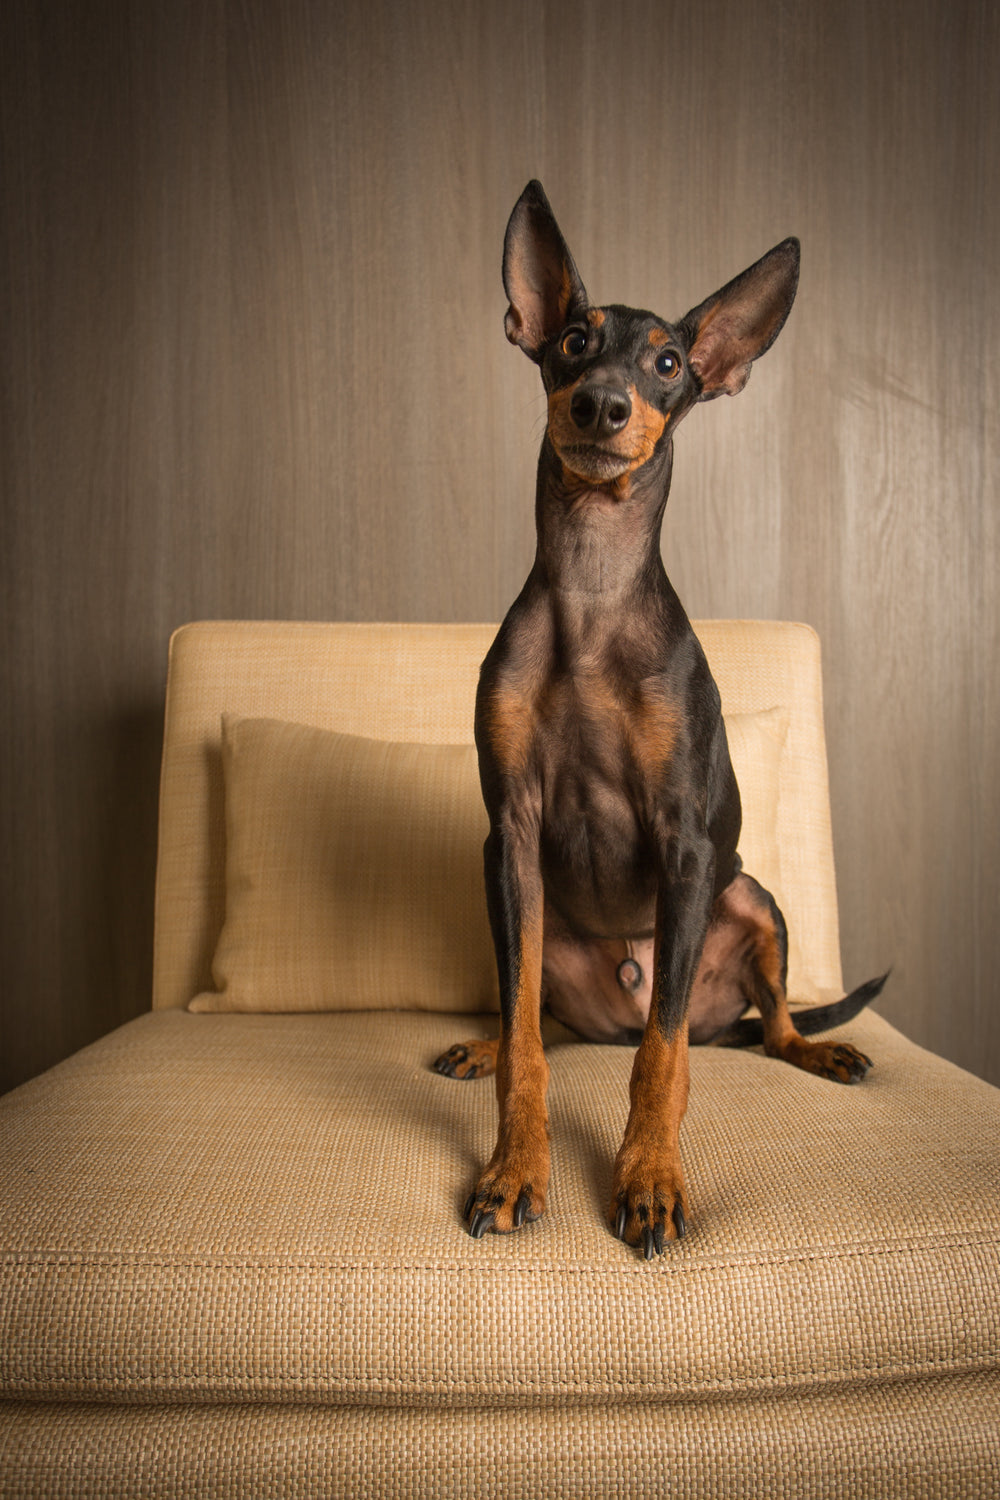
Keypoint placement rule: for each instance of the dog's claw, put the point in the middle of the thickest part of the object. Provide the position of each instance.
(854, 1063)
(680, 1224)
(490, 1210)
(481, 1222)
(845, 1064)
(621, 1221)
(448, 1062)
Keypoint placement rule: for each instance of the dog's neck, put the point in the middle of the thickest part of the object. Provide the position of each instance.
(600, 543)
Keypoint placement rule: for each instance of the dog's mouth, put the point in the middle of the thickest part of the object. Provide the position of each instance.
(593, 463)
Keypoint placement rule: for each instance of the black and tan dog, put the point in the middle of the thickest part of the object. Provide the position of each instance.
(615, 892)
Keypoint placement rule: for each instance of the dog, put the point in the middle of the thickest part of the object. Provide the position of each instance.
(615, 893)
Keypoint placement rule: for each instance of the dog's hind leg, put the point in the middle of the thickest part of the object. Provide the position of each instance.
(475, 1059)
(763, 962)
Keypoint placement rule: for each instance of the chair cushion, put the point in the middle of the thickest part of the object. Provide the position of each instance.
(354, 875)
(354, 868)
(268, 1208)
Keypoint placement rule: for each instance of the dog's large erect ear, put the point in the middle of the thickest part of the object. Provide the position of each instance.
(729, 331)
(539, 276)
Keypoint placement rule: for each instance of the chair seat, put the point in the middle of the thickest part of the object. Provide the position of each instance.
(206, 1208)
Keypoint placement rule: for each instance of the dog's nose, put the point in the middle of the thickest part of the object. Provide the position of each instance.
(600, 410)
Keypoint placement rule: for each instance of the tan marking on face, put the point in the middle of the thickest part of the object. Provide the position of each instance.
(633, 446)
(596, 317)
(647, 424)
(561, 424)
(658, 337)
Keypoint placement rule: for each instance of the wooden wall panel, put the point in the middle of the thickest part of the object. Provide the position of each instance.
(253, 365)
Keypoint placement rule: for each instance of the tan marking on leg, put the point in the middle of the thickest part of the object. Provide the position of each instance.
(512, 1189)
(648, 1197)
(827, 1059)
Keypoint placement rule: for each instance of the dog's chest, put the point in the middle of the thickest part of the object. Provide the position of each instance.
(603, 752)
(593, 726)
(594, 750)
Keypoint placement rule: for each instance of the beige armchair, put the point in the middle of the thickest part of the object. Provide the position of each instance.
(232, 1249)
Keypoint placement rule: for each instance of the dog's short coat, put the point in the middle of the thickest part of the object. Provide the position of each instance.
(615, 892)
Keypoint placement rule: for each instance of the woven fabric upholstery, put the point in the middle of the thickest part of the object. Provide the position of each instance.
(269, 1208)
(859, 1443)
(417, 683)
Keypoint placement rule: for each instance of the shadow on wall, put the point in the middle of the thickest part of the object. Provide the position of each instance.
(98, 795)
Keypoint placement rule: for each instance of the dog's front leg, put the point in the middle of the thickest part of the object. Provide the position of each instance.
(512, 1189)
(648, 1197)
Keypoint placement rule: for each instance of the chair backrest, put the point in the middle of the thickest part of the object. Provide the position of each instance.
(417, 683)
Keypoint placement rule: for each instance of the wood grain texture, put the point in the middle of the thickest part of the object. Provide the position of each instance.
(253, 365)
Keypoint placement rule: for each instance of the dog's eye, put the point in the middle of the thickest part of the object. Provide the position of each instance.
(667, 364)
(574, 343)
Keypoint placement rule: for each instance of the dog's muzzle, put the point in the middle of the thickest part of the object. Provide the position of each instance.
(600, 411)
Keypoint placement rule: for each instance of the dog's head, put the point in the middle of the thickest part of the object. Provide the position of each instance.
(618, 379)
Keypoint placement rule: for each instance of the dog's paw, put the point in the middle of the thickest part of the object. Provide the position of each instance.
(648, 1204)
(838, 1061)
(499, 1208)
(476, 1059)
(511, 1191)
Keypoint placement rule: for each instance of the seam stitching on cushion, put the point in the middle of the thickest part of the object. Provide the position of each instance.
(233, 1382)
(252, 1265)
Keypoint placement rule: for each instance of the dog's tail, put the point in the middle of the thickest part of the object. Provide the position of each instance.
(808, 1021)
